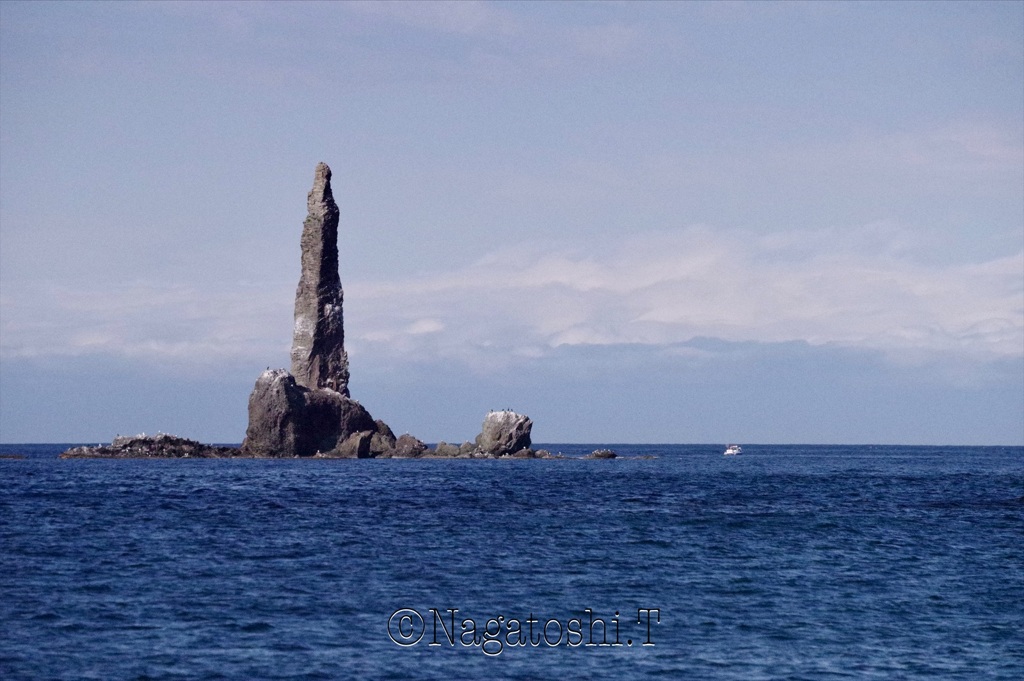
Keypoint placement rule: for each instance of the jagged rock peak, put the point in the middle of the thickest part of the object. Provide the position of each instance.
(318, 353)
(320, 199)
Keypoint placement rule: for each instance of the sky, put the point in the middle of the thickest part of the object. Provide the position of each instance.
(664, 223)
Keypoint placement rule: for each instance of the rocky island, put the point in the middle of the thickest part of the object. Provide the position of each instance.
(308, 412)
(161, 446)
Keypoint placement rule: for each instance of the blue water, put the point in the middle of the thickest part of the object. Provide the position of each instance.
(783, 563)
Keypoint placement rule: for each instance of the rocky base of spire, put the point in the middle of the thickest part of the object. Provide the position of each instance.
(287, 420)
(290, 420)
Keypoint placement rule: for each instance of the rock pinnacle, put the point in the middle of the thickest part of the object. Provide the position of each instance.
(319, 359)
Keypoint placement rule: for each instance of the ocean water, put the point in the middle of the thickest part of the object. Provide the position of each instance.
(782, 563)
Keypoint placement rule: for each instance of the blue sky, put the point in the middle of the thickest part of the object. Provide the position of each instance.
(666, 222)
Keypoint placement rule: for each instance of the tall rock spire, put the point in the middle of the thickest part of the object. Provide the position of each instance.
(319, 359)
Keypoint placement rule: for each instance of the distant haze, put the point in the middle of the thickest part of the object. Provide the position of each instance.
(664, 222)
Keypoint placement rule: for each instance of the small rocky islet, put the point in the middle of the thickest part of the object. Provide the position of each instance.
(308, 412)
(159, 446)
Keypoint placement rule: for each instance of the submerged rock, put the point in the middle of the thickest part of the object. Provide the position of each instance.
(143, 446)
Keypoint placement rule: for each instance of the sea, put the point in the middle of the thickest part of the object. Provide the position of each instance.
(668, 562)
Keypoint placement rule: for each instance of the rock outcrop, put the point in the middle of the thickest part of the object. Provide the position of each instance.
(161, 446)
(319, 359)
(407, 447)
(288, 419)
(309, 411)
(504, 432)
(383, 439)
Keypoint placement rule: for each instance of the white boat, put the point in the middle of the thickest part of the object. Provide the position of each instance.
(733, 450)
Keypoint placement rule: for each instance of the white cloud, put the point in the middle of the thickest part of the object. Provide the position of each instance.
(149, 321)
(668, 287)
(423, 326)
(856, 288)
